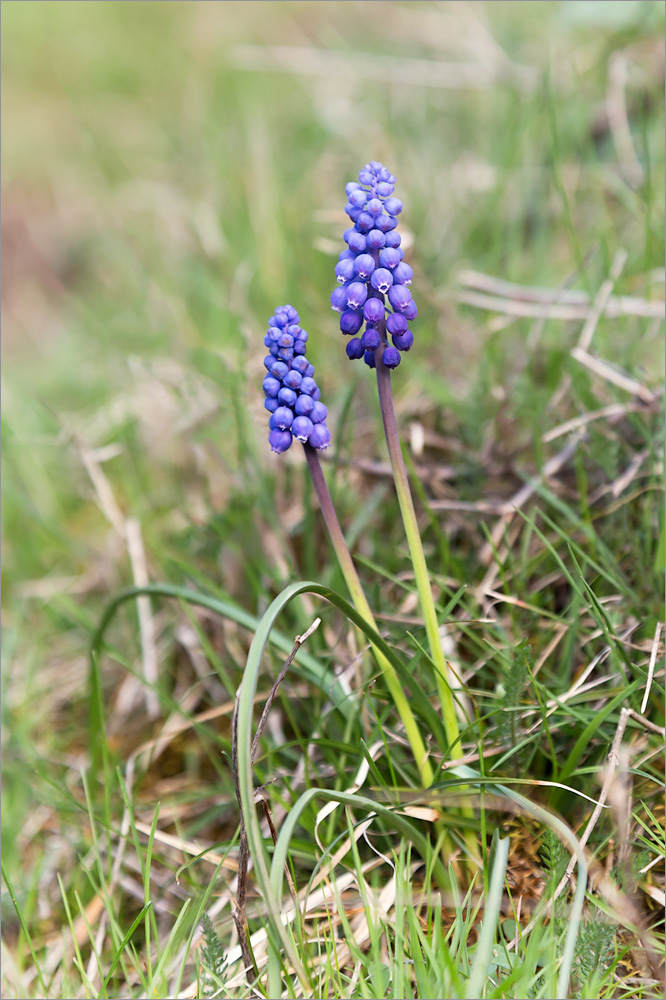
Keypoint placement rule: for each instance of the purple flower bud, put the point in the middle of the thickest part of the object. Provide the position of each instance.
(280, 441)
(357, 242)
(283, 418)
(369, 358)
(376, 239)
(320, 437)
(271, 404)
(374, 207)
(371, 339)
(292, 379)
(386, 223)
(396, 323)
(403, 274)
(393, 206)
(389, 257)
(304, 405)
(299, 348)
(365, 177)
(274, 349)
(302, 428)
(308, 386)
(355, 349)
(386, 175)
(285, 353)
(391, 357)
(347, 254)
(309, 371)
(403, 341)
(286, 340)
(373, 311)
(357, 293)
(351, 186)
(399, 297)
(338, 299)
(393, 239)
(281, 318)
(267, 341)
(411, 312)
(300, 365)
(358, 198)
(364, 265)
(366, 222)
(296, 332)
(384, 190)
(352, 211)
(287, 396)
(351, 322)
(279, 369)
(381, 279)
(344, 269)
(269, 361)
(319, 413)
(271, 386)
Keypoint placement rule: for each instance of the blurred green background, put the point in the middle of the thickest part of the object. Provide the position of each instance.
(171, 173)
(165, 186)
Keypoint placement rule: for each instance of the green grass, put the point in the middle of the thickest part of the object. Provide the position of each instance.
(160, 197)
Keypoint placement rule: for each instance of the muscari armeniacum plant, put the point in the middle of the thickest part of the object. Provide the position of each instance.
(292, 398)
(375, 302)
(374, 296)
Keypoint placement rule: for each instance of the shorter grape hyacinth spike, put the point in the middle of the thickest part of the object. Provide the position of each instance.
(291, 393)
(372, 278)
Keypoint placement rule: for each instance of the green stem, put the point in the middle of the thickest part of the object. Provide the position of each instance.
(358, 597)
(418, 559)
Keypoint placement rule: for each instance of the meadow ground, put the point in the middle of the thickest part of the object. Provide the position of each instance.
(171, 173)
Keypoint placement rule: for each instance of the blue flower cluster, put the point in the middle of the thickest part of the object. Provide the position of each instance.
(292, 396)
(371, 271)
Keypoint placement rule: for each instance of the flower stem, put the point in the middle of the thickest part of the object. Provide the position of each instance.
(418, 559)
(363, 608)
(422, 578)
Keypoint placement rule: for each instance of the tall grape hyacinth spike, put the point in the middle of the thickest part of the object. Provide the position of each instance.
(374, 301)
(291, 394)
(372, 277)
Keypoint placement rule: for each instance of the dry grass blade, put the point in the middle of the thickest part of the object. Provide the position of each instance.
(616, 307)
(651, 666)
(305, 61)
(618, 119)
(605, 413)
(513, 299)
(610, 374)
(137, 557)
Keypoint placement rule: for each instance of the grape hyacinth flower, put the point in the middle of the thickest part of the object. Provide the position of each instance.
(373, 279)
(374, 301)
(291, 394)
